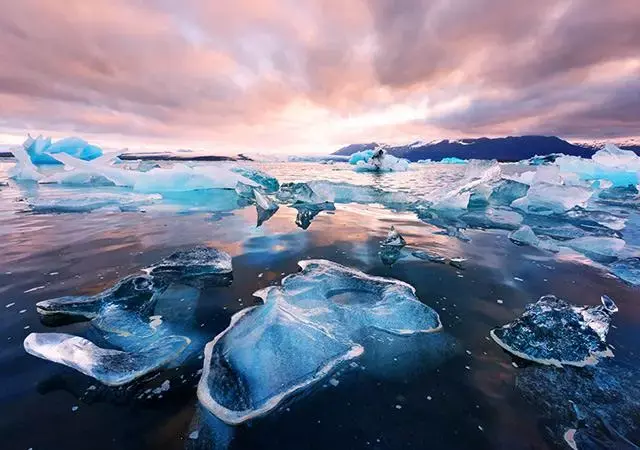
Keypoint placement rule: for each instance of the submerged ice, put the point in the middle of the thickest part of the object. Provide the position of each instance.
(311, 323)
(553, 332)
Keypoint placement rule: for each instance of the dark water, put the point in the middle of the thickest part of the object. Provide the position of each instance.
(450, 390)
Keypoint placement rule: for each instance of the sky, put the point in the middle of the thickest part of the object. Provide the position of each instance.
(309, 76)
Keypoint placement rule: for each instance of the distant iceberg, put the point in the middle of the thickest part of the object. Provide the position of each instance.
(378, 161)
(40, 149)
(453, 160)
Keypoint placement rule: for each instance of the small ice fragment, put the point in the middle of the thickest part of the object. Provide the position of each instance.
(457, 262)
(91, 388)
(398, 406)
(608, 303)
(53, 273)
(74, 408)
(393, 239)
(22, 311)
(194, 262)
(431, 257)
(194, 435)
(165, 386)
(569, 437)
(480, 428)
(499, 302)
(467, 352)
(333, 382)
(554, 332)
(518, 279)
(34, 289)
(9, 305)
(260, 275)
(428, 397)
(467, 367)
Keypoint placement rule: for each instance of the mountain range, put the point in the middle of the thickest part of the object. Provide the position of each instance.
(511, 148)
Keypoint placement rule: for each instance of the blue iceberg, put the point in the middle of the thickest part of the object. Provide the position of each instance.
(306, 327)
(40, 149)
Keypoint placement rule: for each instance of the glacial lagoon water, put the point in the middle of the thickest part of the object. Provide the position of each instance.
(450, 389)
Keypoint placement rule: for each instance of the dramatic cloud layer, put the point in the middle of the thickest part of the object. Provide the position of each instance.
(288, 75)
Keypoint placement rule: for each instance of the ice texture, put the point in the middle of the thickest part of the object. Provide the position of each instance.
(132, 291)
(453, 160)
(265, 207)
(526, 236)
(306, 327)
(627, 269)
(600, 404)
(428, 256)
(143, 316)
(597, 247)
(24, 169)
(378, 161)
(553, 332)
(178, 178)
(268, 183)
(40, 149)
(109, 366)
(123, 201)
(620, 167)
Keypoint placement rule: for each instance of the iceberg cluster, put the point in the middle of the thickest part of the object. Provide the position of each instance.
(307, 326)
(553, 332)
(143, 316)
(378, 161)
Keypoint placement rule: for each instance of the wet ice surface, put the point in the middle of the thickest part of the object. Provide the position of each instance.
(452, 389)
(307, 326)
(553, 332)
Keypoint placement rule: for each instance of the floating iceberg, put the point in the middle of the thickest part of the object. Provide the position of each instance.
(124, 201)
(453, 160)
(308, 211)
(620, 167)
(110, 367)
(133, 292)
(178, 178)
(194, 262)
(40, 149)
(378, 161)
(525, 236)
(304, 329)
(266, 181)
(393, 239)
(547, 197)
(428, 256)
(139, 315)
(265, 207)
(554, 332)
(627, 269)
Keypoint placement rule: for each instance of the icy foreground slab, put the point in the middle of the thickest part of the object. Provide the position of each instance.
(553, 332)
(110, 367)
(145, 316)
(307, 326)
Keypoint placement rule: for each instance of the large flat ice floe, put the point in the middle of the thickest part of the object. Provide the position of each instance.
(306, 327)
(553, 332)
(142, 322)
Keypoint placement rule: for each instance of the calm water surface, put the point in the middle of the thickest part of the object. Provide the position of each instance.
(451, 390)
